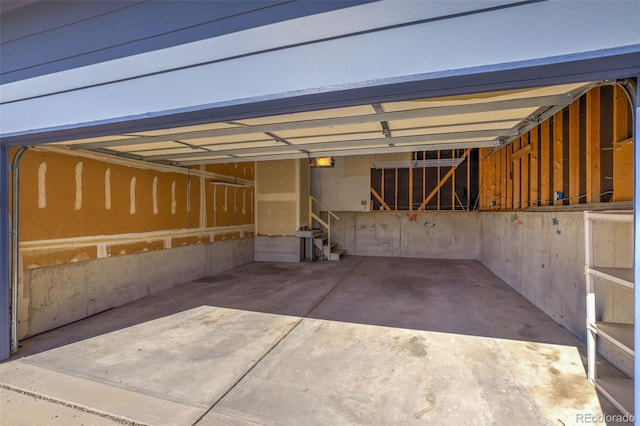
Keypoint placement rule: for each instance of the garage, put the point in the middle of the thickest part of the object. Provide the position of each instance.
(211, 222)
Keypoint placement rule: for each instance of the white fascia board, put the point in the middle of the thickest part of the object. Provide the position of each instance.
(463, 45)
(274, 36)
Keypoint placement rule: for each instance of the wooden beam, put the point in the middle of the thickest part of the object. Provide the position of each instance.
(593, 146)
(509, 167)
(411, 189)
(496, 180)
(442, 181)
(574, 152)
(382, 185)
(521, 153)
(424, 176)
(380, 200)
(524, 173)
(557, 156)
(439, 180)
(503, 179)
(396, 191)
(469, 183)
(622, 148)
(534, 167)
(482, 178)
(453, 185)
(517, 187)
(545, 163)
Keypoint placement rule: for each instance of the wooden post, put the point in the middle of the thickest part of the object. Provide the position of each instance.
(593, 146)
(509, 204)
(439, 179)
(574, 152)
(557, 156)
(396, 191)
(453, 185)
(411, 189)
(545, 163)
(524, 175)
(622, 148)
(517, 188)
(534, 167)
(504, 177)
(468, 160)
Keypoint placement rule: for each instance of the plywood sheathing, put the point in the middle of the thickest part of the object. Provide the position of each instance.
(88, 206)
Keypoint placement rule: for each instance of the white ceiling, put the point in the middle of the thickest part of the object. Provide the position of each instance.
(480, 120)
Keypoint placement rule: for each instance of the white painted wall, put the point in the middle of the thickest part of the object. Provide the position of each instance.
(345, 186)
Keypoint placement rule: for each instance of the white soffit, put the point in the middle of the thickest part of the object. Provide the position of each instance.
(480, 120)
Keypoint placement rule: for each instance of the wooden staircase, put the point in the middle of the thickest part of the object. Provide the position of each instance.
(322, 236)
(330, 251)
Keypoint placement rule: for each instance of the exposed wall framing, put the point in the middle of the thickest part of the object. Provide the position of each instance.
(583, 154)
(440, 187)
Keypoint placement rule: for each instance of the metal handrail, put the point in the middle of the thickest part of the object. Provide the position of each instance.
(318, 219)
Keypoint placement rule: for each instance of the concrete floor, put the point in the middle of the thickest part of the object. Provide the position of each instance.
(374, 341)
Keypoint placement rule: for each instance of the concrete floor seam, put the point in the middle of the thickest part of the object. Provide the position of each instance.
(275, 345)
(73, 406)
(115, 384)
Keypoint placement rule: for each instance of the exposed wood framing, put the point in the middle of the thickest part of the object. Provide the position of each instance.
(557, 157)
(524, 177)
(468, 185)
(424, 203)
(396, 192)
(403, 193)
(380, 200)
(442, 181)
(574, 152)
(517, 183)
(549, 160)
(534, 168)
(509, 165)
(410, 189)
(503, 179)
(622, 148)
(453, 184)
(593, 146)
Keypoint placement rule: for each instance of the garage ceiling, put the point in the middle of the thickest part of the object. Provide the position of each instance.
(469, 121)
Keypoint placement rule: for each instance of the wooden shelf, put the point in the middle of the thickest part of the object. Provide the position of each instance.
(621, 276)
(620, 334)
(617, 390)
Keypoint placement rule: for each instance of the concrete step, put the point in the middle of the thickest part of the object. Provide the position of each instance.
(336, 254)
(331, 253)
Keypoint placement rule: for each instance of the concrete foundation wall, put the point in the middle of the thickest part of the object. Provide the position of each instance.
(278, 249)
(541, 255)
(407, 234)
(57, 295)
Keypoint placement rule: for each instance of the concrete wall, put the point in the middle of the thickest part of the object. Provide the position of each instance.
(541, 255)
(278, 249)
(454, 235)
(56, 295)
